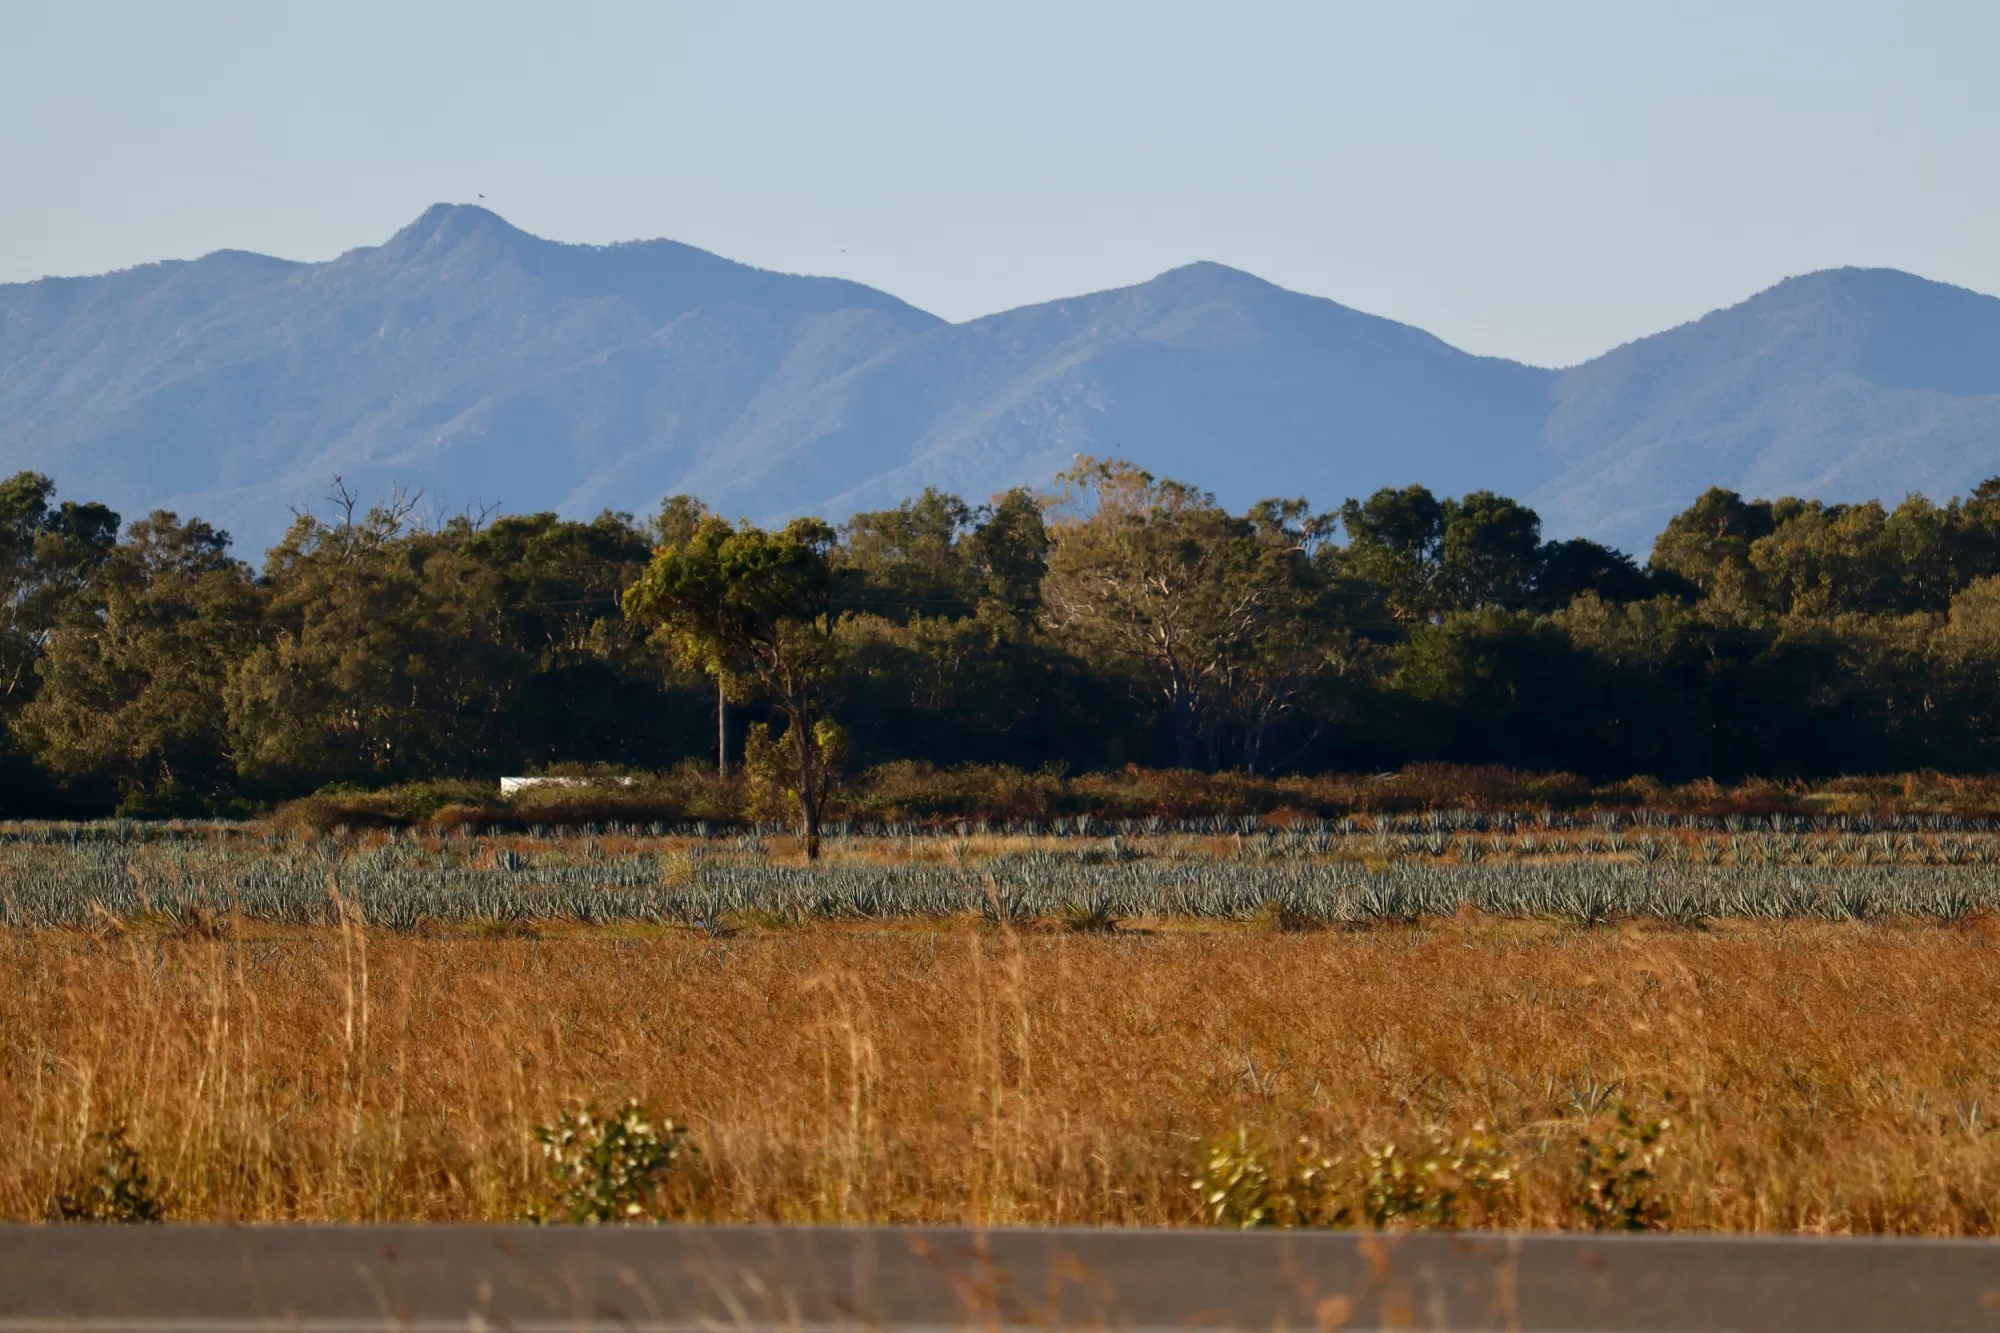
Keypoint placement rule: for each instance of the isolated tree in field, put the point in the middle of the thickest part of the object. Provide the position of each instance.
(755, 610)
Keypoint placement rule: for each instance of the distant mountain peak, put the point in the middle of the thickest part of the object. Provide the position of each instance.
(1859, 277)
(1208, 275)
(1211, 270)
(443, 228)
(462, 219)
(476, 361)
(1889, 291)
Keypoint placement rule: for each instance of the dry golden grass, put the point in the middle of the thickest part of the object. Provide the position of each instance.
(1825, 1078)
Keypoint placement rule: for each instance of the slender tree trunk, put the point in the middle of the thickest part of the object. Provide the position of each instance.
(1257, 723)
(721, 731)
(1185, 735)
(802, 744)
(810, 806)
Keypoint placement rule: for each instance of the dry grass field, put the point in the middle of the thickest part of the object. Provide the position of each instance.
(1819, 1076)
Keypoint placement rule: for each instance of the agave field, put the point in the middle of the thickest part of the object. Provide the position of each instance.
(1081, 873)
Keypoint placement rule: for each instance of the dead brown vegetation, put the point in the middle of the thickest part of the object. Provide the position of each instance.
(1824, 1078)
(923, 794)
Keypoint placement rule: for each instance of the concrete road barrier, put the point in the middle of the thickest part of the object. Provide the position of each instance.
(177, 1279)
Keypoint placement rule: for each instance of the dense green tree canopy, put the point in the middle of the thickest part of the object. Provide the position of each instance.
(1125, 619)
(133, 680)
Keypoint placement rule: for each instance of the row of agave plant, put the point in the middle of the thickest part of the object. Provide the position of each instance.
(1430, 822)
(403, 884)
(1789, 846)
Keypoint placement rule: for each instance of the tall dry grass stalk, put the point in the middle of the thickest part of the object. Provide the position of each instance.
(1825, 1078)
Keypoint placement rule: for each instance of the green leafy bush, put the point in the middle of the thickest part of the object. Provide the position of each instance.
(1441, 1183)
(112, 1185)
(383, 807)
(608, 1167)
(1618, 1175)
(1238, 1186)
(1234, 1184)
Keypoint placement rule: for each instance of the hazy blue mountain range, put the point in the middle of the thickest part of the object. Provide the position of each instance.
(484, 365)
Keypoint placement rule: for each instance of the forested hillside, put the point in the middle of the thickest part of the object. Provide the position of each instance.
(488, 367)
(1126, 620)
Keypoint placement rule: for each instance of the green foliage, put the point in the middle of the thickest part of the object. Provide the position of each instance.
(912, 560)
(755, 611)
(1578, 567)
(1132, 621)
(1491, 551)
(938, 557)
(772, 779)
(1617, 1187)
(1009, 548)
(132, 684)
(389, 651)
(747, 606)
(1238, 1186)
(1208, 613)
(47, 555)
(679, 518)
(112, 1185)
(1395, 546)
(357, 806)
(1438, 1182)
(609, 1166)
(1709, 543)
(1234, 1184)
(166, 800)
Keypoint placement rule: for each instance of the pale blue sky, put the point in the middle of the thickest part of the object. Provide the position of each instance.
(1535, 180)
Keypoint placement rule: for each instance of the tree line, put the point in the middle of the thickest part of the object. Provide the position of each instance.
(1120, 619)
